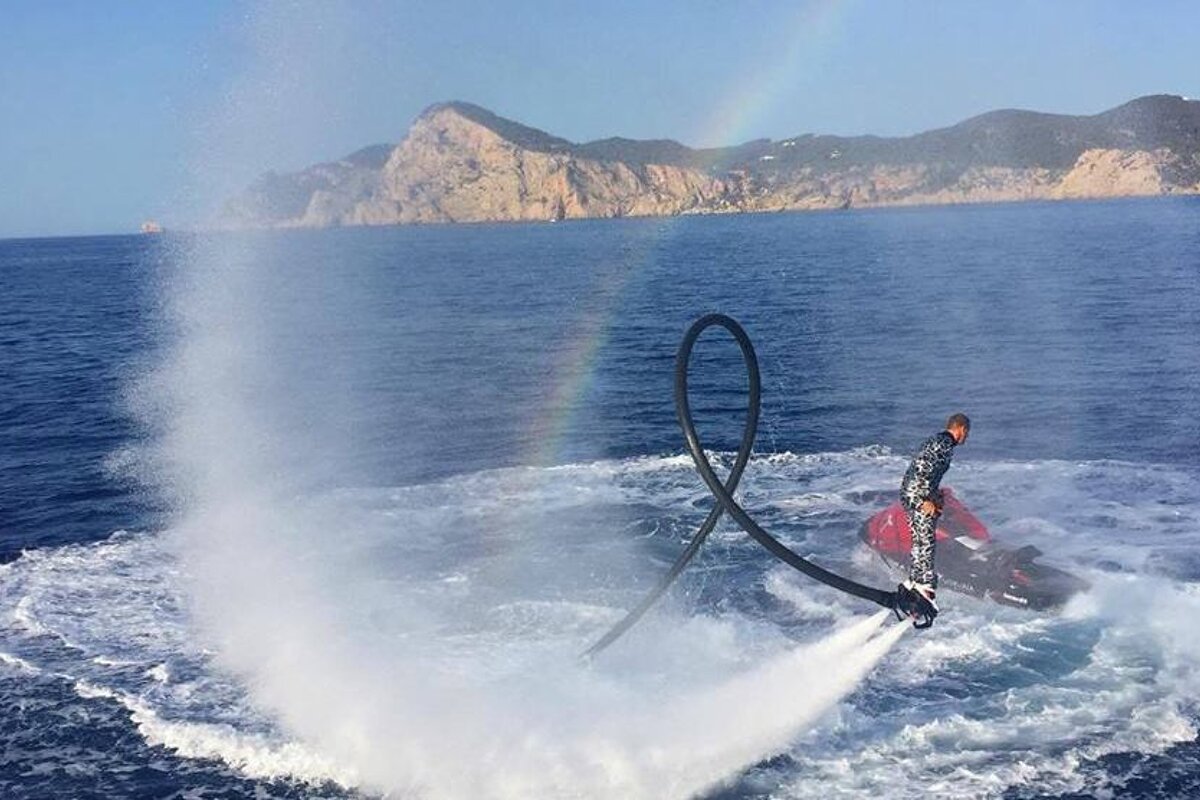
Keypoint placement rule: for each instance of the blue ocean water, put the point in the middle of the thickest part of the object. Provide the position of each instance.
(457, 446)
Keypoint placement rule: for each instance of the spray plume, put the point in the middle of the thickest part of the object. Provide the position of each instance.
(337, 617)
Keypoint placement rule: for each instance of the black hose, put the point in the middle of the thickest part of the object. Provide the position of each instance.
(754, 401)
(723, 492)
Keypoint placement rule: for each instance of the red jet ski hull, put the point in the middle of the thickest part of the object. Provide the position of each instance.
(970, 562)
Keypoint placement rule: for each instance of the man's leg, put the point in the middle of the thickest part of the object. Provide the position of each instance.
(924, 541)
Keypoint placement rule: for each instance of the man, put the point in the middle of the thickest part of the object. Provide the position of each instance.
(922, 500)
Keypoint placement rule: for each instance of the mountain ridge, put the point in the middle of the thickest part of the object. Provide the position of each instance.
(461, 162)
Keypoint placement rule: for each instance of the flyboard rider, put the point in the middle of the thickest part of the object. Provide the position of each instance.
(922, 500)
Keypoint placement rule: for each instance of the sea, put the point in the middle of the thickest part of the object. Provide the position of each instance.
(332, 514)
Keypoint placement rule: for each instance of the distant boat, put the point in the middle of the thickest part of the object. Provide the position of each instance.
(150, 226)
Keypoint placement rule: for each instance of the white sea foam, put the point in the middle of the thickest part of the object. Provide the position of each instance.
(254, 755)
(22, 614)
(1131, 691)
(404, 696)
(158, 672)
(490, 661)
(808, 604)
(18, 663)
(464, 642)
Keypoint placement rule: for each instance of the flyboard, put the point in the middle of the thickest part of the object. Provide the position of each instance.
(903, 601)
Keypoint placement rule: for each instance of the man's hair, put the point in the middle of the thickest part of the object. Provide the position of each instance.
(958, 419)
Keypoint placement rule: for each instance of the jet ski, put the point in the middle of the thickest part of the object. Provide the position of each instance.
(970, 562)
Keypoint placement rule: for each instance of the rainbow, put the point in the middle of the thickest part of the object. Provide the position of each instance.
(575, 363)
(809, 33)
(809, 30)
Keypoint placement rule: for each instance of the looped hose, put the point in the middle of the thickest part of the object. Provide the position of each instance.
(723, 492)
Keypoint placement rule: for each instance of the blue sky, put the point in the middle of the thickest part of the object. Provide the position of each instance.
(115, 112)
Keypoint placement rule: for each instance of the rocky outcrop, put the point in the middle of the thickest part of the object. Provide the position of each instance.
(452, 168)
(1107, 173)
(461, 163)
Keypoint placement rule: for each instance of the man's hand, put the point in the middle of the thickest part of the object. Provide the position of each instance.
(930, 508)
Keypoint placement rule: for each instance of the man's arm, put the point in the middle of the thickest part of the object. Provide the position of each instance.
(920, 491)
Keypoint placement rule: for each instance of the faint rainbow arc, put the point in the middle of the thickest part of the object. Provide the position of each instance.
(812, 29)
(577, 357)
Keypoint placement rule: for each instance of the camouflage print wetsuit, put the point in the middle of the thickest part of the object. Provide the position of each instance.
(920, 484)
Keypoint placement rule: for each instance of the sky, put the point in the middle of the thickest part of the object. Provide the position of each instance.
(113, 113)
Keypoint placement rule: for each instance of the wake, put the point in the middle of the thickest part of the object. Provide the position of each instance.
(426, 687)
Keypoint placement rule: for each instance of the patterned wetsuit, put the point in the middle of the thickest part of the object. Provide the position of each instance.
(920, 484)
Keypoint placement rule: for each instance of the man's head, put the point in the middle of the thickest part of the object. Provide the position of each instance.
(959, 427)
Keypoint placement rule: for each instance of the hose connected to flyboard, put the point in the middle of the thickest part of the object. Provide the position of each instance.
(723, 492)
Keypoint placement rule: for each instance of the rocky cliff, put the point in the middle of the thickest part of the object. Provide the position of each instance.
(462, 163)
